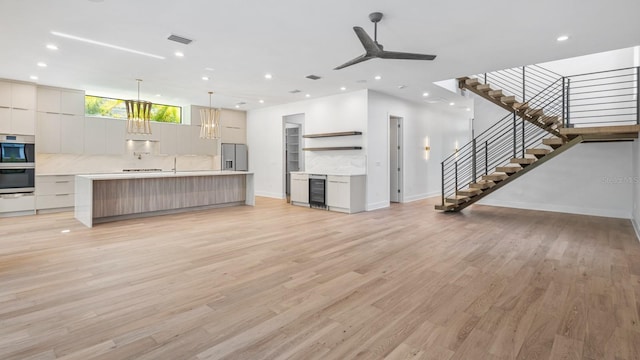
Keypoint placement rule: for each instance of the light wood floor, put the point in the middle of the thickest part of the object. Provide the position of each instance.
(276, 281)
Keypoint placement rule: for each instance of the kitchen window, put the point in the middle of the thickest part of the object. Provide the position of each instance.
(115, 108)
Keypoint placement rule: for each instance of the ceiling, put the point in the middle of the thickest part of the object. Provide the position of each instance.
(235, 43)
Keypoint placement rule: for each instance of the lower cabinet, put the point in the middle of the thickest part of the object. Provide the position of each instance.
(346, 193)
(299, 189)
(55, 192)
(17, 204)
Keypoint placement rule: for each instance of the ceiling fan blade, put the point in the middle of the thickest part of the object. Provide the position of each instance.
(359, 59)
(370, 46)
(404, 55)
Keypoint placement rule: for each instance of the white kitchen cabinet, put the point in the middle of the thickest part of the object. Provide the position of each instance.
(48, 133)
(23, 121)
(202, 146)
(115, 134)
(48, 100)
(17, 204)
(346, 193)
(17, 104)
(233, 127)
(185, 141)
(168, 138)
(71, 134)
(55, 192)
(23, 96)
(5, 120)
(5, 94)
(299, 189)
(72, 102)
(94, 135)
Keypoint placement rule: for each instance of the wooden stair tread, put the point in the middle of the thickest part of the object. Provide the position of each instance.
(537, 152)
(482, 184)
(521, 106)
(445, 207)
(469, 192)
(495, 177)
(508, 99)
(484, 87)
(553, 142)
(495, 93)
(472, 82)
(508, 169)
(534, 112)
(523, 161)
(547, 119)
(457, 199)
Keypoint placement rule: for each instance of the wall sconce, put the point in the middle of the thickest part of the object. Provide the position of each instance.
(427, 148)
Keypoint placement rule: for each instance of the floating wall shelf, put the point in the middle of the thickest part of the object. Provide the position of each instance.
(333, 148)
(344, 133)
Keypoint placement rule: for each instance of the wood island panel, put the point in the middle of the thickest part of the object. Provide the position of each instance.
(111, 199)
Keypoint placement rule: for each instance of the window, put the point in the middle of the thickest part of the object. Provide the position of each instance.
(115, 108)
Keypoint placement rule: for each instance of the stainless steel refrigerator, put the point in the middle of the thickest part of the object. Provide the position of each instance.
(234, 157)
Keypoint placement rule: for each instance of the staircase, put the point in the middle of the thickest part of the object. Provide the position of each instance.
(538, 128)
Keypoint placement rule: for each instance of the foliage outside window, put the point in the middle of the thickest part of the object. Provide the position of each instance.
(115, 108)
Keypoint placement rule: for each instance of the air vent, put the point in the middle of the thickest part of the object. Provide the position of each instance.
(180, 39)
(313, 77)
(242, 103)
(294, 91)
(361, 81)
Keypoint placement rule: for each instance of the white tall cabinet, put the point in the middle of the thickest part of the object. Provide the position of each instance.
(17, 108)
(60, 121)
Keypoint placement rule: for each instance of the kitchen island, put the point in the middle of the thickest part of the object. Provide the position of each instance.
(110, 197)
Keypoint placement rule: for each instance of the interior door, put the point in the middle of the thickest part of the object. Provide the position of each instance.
(395, 159)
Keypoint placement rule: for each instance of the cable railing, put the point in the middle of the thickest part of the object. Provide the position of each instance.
(594, 99)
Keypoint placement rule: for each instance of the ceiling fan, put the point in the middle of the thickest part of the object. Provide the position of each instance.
(374, 50)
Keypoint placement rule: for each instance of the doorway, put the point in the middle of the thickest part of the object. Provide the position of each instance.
(395, 159)
(293, 144)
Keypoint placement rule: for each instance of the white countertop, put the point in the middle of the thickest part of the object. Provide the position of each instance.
(163, 174)
(328, 173)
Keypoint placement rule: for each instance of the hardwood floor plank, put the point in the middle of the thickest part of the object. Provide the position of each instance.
(277, 281)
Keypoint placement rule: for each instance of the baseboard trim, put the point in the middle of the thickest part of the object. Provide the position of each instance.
(418, 197)
(618, 214)
(636, 228)
(269, 195)
(378, 205)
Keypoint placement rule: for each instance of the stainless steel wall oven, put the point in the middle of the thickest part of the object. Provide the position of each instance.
(17, 164)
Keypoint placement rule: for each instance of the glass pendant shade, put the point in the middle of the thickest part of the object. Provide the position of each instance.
(138, 115)
(210, 122)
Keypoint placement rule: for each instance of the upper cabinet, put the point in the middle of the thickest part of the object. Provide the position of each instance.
(72, 102)
(60, 101)
(61, 123)
(233, 126)
(17, 108)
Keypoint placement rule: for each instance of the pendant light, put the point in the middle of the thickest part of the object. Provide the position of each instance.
(138, 115)
(210, 122)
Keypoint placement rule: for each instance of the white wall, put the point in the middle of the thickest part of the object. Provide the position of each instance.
(590, 178)
(635, 215)
(342, 112)
(441, 124)
(609, 60)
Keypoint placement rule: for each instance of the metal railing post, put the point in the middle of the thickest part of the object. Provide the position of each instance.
(515, 136)
(485, 78)
(455, 193)
(486, 157)
(442, 165)
(638, 95)
(568, 103)
(564, 104)
(473, 160)
(524, 97)
(523, 140)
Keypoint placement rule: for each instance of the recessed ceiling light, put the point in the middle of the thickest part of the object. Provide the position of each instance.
(42, 64)
(33, 77)
(307, 95)
(268, 76)
(377, 77)
(179, 54)
(237, 106)
(343, 88)
(205, 78)
(425, 94)
(563, 38)
(52, 47)
(158, 95)
(99, 43)
(451, 103)
(261, 101)
(209, 68)
(468, 109)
